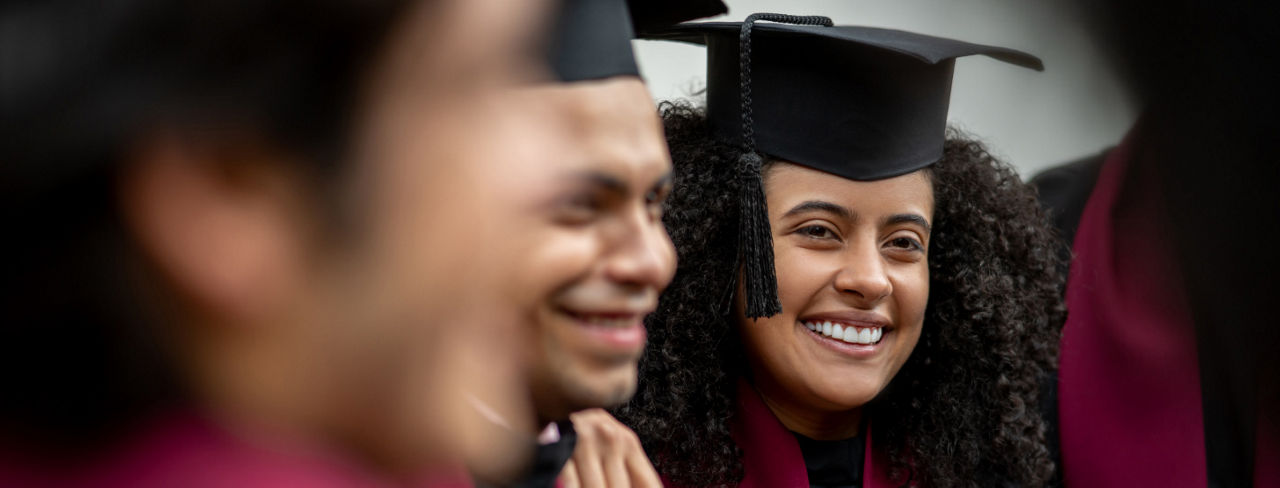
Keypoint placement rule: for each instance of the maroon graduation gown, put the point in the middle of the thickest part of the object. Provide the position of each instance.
(188, 450)
(1129, 381)
(771, 455)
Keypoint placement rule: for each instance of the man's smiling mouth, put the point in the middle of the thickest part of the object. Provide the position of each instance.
(616, 320)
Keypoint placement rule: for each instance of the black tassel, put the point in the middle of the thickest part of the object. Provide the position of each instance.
(755, 235)
(761, 284)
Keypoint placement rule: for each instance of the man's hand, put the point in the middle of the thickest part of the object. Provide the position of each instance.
(608, 455)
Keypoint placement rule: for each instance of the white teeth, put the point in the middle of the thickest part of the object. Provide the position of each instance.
(850, 334)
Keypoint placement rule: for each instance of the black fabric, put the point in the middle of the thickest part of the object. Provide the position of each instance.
(1063, 192)
(549, 459)
(1228, 402)
(591, 39)
(862, 103)
(833, 464)
(647, 15)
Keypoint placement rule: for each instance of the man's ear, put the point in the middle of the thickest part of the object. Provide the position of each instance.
(225, 222)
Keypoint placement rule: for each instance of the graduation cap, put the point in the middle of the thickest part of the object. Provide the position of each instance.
(861, 103)
(591, 39)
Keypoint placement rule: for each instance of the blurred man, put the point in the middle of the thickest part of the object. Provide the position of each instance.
(596, 253)
(237, 234)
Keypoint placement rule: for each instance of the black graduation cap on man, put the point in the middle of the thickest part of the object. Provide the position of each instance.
(591, 39)
(861, 103)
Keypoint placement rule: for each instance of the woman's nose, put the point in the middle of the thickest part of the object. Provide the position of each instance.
(863, 276)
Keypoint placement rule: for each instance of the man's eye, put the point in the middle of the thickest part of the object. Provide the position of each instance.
(580, 209)
(658, 195)
(656, 209)
(585, 202)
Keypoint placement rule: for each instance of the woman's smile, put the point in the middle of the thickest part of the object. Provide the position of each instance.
(853, 333)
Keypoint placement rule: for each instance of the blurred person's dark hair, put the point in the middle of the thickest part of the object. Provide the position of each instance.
(1205, 73)
(83, 336)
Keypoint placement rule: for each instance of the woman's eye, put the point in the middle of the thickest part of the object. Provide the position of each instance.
(817, 232)
(905, 243)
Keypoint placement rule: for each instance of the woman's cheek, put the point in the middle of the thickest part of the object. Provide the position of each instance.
(801, 275)
(916, 293)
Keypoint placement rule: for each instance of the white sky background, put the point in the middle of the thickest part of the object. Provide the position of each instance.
(1030, 119)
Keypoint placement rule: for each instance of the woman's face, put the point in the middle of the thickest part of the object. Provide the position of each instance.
(853, 278)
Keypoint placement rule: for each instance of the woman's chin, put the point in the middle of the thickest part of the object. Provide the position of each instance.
(838, 399)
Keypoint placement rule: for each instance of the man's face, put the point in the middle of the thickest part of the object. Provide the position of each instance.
(595, 255)
(416, 339)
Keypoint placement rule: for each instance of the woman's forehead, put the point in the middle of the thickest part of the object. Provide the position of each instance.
(788, 184)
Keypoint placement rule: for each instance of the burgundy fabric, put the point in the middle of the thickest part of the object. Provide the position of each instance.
(1129, 382)
(771, 455)
(1266, 464)
(189, 451)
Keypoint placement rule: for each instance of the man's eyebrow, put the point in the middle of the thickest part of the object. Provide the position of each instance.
(820, 206)
(606, 181)
(909, 218)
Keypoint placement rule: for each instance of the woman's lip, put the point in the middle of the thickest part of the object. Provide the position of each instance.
(855, 318)
(857, 351)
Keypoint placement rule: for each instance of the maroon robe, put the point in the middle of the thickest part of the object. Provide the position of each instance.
(1129, 399)
(771, 455)
(190, 451)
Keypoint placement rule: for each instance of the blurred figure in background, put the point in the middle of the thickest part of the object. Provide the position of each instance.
(1168, 373)
(595, 255)
(249, 240)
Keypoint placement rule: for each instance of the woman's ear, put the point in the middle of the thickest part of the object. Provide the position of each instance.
(224, 222)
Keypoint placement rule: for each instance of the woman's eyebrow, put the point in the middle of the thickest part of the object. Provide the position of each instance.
(820, 206)
(909, 218)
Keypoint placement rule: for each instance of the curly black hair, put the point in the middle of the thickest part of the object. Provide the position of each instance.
(964, 405)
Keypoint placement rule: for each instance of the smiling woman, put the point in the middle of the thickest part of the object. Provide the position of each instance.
(863, 298)
(947, 276)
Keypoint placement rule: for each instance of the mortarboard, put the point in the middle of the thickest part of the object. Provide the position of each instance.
(861, 103)
(591, 39)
